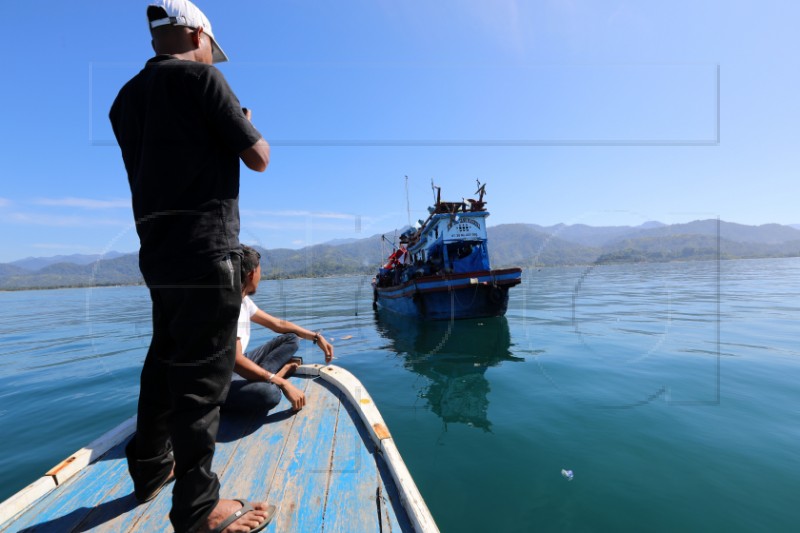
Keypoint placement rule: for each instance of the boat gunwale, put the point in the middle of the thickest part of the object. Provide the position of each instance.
(409, 287)
(63, 471)
(410, 497)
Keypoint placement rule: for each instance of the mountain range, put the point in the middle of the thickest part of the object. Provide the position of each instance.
(37, 263)
(525, 245)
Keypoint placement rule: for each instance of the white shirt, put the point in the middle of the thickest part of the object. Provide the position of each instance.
(247, 310)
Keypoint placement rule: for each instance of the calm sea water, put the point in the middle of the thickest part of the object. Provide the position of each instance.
(670, 391)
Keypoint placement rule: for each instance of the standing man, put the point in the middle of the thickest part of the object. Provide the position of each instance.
(182, 133)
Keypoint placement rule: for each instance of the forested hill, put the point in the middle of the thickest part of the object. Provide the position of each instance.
(524, 245)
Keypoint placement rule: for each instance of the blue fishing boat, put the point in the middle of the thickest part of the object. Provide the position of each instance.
(332, 466)
(441, 271)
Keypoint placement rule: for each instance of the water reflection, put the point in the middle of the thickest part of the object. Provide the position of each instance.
(454, 357)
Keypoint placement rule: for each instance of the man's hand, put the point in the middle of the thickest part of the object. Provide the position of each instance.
(292, 393)
(326, 347)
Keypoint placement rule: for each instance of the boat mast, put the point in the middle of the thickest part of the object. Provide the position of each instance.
(408, 204)
(437, 193)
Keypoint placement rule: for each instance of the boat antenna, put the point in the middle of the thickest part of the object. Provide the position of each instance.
(481, 190)
(437, 193)
(408, 204)
(384, 238)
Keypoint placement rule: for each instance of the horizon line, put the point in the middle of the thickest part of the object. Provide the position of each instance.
(795, 226)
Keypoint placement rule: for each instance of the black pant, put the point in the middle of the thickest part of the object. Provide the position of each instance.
(184, 380)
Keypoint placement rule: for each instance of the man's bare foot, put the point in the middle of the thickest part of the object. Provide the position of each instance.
(287, 370)
(244, 524)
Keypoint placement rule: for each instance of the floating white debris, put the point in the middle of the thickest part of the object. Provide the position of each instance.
(567, 474)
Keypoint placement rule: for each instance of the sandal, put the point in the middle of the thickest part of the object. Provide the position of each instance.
(246, 508)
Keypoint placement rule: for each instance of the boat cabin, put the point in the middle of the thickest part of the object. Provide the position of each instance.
(451, 241)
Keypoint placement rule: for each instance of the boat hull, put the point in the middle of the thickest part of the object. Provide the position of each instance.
(333, 465)
(451, 296)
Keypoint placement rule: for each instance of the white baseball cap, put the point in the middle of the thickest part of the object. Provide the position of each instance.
(185, 13)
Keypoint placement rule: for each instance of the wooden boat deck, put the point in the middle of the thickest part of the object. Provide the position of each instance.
(332, 466)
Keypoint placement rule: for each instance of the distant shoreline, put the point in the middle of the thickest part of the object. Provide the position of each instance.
(67, 287)
(518, 245)
(356, 274)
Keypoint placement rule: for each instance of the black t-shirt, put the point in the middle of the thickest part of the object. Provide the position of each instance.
(181, 129)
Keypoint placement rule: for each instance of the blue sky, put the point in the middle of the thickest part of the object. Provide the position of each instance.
(576, 111)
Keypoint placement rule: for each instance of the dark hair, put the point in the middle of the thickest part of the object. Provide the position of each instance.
(156, 13)
(250, 261)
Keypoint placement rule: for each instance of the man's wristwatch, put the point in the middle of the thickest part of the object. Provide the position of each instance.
(317, 335)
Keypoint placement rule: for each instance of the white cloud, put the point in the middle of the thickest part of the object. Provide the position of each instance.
(5, 202)
(85, 203)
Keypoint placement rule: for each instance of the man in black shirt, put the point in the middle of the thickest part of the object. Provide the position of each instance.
(182, 132)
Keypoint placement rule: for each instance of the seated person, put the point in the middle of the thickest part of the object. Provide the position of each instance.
(266, 368)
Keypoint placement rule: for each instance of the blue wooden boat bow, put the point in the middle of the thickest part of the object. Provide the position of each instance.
(333, 465)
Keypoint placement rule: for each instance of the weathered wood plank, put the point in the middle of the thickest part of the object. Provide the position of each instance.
(312, 464)
(354, 502)
(234, 431)
(69, 505)
(150, 516)
(394, 516)
(94, 450)
(24, 498)
(300, 482)
(121, 512)
(355, 392)
(115, 518)
(412, 501)
(67, 468)
(248, 474)
(410, 497)
(308, 370)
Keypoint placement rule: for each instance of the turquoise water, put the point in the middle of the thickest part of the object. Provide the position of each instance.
(669, 390)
